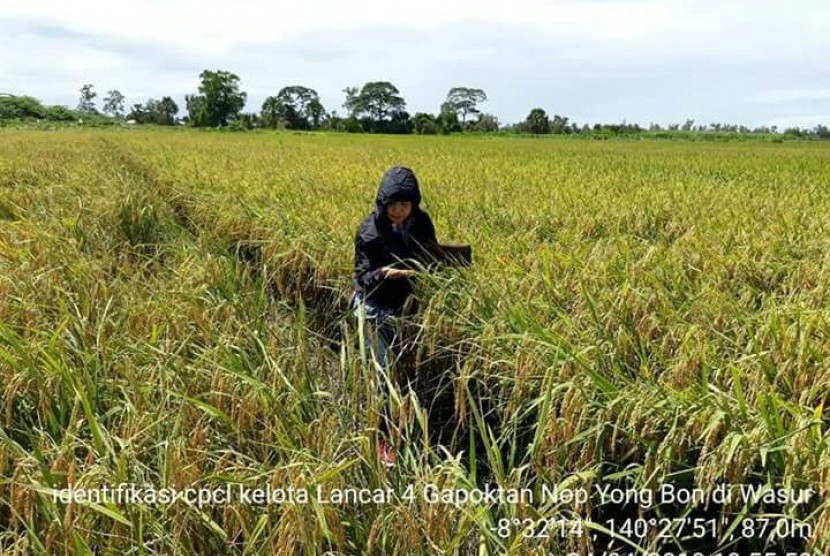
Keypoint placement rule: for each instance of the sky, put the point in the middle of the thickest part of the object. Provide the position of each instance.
(750, 62)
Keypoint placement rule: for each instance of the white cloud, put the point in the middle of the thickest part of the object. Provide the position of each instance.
(793, 95)
(642, 60)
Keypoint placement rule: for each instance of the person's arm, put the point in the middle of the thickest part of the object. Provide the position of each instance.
(367, 272)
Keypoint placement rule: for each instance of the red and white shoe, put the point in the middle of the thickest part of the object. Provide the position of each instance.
(386, 454)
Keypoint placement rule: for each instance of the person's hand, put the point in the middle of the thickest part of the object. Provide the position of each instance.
(396, 273)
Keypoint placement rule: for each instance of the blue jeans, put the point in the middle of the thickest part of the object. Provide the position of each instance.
(379, 336)
(380, 333)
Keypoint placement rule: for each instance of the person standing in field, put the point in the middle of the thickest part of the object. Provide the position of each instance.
(391, 243)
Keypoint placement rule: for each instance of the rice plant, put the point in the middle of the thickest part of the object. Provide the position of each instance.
(639, 313)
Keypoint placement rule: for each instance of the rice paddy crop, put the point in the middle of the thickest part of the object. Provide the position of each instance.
(638, 314)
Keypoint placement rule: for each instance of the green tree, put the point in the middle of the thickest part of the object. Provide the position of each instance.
(14, 107)
(465, 100)
(316, 114)
(379, 100)
(196, 110)
(165, 112)
(399, 122)
(86, 104)
(486, 123)
(537, 122)
(246, 121)
(114, 103)
(271, 113)
(300, 107)
(159, 112)
(559, 125)
(152, 112)
(448, 119)
(137, 113)
(60, 113)
(219, 100)
(425, 124)
(351, 104)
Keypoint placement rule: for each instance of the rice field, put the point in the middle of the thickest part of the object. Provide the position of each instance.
(639, 314)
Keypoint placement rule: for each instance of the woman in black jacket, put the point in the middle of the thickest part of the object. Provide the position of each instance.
(391, 243)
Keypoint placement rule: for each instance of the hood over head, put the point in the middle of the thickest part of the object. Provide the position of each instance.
(398, 184)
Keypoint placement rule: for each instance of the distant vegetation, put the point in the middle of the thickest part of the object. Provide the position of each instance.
(376, 107)
(26, 108)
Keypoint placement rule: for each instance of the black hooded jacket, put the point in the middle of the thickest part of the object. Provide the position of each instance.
(377, 244)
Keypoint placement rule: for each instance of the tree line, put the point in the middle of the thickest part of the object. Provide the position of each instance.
(376, 107)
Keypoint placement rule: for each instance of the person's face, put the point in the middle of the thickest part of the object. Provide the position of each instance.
(398, 211)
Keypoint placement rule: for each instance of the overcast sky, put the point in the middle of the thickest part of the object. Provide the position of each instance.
(739, 61)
